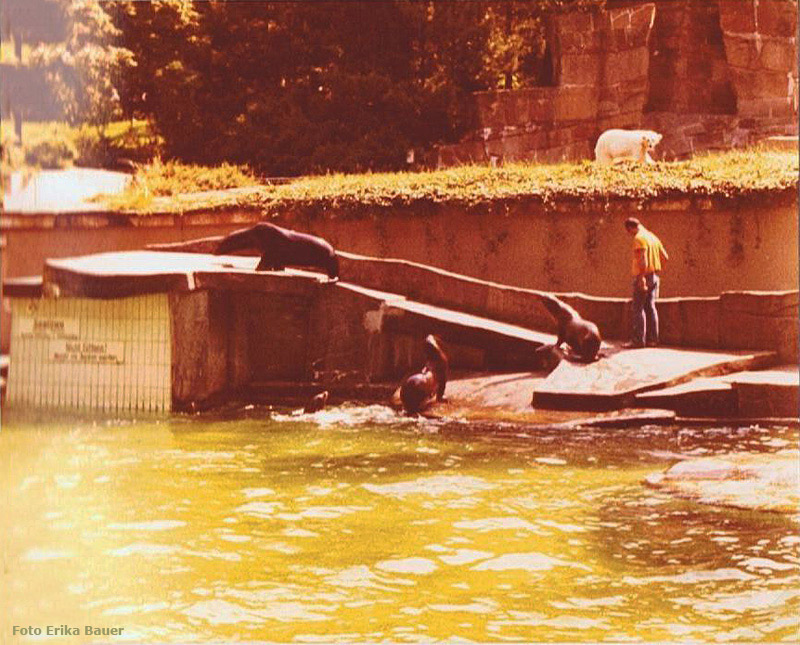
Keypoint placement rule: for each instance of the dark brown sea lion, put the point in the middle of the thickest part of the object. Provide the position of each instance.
(582, 336)
(317, 402)
(280, 247)
(421, 389)
(547, 357)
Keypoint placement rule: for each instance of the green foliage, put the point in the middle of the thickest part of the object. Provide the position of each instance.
(301, 87)
(737, 173)
(172, 178)
(59, 145)
(51, 154)
(160, 178)
(85, 68)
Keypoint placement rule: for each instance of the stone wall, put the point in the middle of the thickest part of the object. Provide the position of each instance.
(708, 75)
(601, 65)
(761, 48)
(688, 69)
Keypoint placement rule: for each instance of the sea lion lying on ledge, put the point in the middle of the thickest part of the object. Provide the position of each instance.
(420, 390)
(582, 336)
(280, 247)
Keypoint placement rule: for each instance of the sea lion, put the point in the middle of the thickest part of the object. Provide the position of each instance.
(317, 402)
(547, 357)
(280, 247)
(582, 336)
(421, 389)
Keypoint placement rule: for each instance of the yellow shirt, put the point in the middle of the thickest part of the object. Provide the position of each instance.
(653, 250)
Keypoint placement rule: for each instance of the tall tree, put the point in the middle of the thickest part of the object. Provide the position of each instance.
(86, 68)
(297, 87)
(30, 22)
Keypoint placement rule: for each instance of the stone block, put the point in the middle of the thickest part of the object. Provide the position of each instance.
(689, 322)
(755, 84)
(765, 108)
(760, 400)
(779, 55)
(518, 307)
(576, 103)
(200, 327)
(580, 69)
(781, 303)
(630, 27)
(536, 109)
(610, 117)
(738, 17)
(625, 66)
(741, 51)
(751, 320)
(277, 330)
(777, 17)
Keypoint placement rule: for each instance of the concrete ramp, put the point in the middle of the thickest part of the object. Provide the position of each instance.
(613, 382)
(505, 345)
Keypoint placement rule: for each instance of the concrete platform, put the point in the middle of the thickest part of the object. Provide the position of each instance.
(613, 382)
(763, 393)
(702, 397)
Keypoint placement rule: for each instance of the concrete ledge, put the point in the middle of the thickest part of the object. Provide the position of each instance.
(613, 382)
(27, 287)
(702, 397)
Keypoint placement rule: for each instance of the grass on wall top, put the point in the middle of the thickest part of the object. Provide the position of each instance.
(167, 187)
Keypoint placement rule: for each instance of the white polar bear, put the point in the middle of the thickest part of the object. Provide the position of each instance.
(616, 145)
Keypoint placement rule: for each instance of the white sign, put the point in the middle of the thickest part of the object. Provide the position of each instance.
(87, 352)
(48, 327)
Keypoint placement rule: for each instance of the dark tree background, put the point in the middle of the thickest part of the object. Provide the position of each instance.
(294, 87)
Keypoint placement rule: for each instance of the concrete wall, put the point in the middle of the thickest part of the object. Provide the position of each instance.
(713, 246)
(732, 320)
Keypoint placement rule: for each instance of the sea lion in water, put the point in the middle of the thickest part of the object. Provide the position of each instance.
(547, 357)
(317, 402)
(280, 247)
(582, 336)
(421, 389)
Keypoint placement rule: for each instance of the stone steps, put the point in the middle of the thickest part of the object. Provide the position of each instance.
(771, 393)
(616, 380)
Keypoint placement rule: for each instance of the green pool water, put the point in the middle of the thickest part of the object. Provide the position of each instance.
(356, 525)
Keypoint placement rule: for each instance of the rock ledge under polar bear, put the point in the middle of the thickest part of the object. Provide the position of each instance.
(619, 145)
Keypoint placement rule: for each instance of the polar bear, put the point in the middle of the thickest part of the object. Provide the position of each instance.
(616, 145)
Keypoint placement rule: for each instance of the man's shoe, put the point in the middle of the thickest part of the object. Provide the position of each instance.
(633, 345)
(652, 343)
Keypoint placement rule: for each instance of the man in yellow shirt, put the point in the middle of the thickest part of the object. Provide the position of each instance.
(647, 253)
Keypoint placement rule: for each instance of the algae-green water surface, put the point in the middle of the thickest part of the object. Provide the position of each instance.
(355, 525)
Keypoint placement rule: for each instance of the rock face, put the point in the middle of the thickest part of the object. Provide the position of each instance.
(761, 48)
(708, 75)
(765, 482)
(600, 65)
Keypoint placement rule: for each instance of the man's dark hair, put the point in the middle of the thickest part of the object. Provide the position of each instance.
(632, 222)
